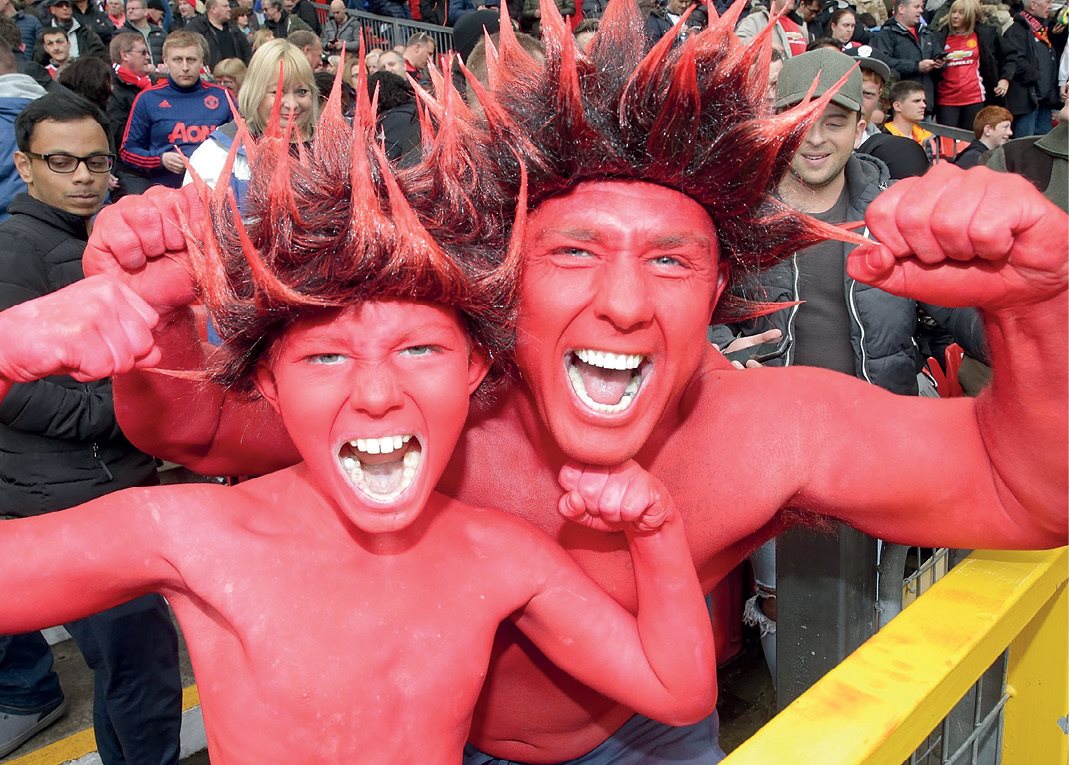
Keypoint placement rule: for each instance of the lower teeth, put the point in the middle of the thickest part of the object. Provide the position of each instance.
(625, 400)
(364, 479)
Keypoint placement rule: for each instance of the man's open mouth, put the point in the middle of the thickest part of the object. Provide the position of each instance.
(606, 382)
(382, 468)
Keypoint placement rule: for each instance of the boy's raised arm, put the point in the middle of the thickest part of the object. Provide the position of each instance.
(660, 662)
(62, 566)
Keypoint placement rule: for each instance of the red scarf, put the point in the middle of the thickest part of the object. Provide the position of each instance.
(124, 74)
(1039, 29)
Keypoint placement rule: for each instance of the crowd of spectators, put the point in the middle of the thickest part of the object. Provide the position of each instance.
(170, 77)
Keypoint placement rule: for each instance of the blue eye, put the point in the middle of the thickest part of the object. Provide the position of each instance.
(666, 260)
(327, 358)
(420, 350)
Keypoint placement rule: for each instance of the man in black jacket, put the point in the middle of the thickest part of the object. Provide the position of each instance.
(137, 20)
(840, 324)
(225, 40)
(83, 39)
(908, 49)
(62, 446)
(279, 21)
(1033, 93)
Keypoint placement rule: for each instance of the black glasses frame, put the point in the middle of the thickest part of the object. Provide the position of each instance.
(55, 155)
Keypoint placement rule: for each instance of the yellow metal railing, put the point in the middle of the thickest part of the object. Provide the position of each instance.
(880, 703)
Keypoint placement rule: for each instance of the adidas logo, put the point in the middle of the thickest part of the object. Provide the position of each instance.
(165, 104)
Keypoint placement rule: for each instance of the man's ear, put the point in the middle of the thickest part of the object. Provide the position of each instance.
(723, 274)
(478, 366)
(859, 134)
(265, 383)
(24, 168)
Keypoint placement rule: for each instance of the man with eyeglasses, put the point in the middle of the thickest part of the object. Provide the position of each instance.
(132, 69)
(62, 447)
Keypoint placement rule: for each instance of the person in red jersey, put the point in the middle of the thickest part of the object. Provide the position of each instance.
(652, 178)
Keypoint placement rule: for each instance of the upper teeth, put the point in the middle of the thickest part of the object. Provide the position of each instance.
(608, 359)
(383, 445)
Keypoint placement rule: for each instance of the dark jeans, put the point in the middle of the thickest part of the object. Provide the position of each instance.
(1037, 122)
(27, 682)
(958, 116)
(137, 690)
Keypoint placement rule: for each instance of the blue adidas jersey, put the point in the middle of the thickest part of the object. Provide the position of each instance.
(166, 116)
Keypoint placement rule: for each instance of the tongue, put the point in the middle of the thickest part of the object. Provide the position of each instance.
(605, 386)
(383, 478)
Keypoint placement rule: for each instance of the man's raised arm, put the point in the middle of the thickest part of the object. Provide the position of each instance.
(141, 241)
(989, 472)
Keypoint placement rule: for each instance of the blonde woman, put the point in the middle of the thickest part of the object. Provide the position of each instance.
(978, 65)
(299, 105)
(230, 74)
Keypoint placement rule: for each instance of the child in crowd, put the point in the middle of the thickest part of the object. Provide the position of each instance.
(342, 610)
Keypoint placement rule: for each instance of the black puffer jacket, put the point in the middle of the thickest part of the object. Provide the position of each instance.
(59, 442)
(883, 326)
(900, 50)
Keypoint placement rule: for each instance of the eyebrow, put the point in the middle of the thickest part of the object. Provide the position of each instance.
(674, 241)
(662, 242)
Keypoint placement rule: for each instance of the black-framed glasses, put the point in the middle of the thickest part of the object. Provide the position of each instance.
(59, 162)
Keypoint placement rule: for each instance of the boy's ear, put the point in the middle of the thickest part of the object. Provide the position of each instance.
(265, 383)
(478, 366)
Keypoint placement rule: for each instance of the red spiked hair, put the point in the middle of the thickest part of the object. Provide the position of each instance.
(335, 225)
(690, 117)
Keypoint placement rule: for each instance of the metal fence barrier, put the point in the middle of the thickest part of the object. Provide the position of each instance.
(915, 683)
(949, 141)
(386, 31)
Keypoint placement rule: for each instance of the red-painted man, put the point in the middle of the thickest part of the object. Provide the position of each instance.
(651, 190)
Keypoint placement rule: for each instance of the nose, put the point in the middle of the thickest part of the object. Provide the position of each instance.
(622, 296)
(375, 392)
(82, 174)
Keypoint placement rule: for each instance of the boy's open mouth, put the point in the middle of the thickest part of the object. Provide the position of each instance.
(606, 382)
(382, 468)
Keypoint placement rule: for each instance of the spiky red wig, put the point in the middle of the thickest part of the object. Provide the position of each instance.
(335, 225)
(690, 117)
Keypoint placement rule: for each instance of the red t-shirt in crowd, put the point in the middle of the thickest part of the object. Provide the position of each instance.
(960, 84)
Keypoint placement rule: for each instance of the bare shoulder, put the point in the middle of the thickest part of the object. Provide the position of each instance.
(790, 394)
(495, 535)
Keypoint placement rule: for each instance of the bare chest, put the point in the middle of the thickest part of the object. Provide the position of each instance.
(295, 645)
